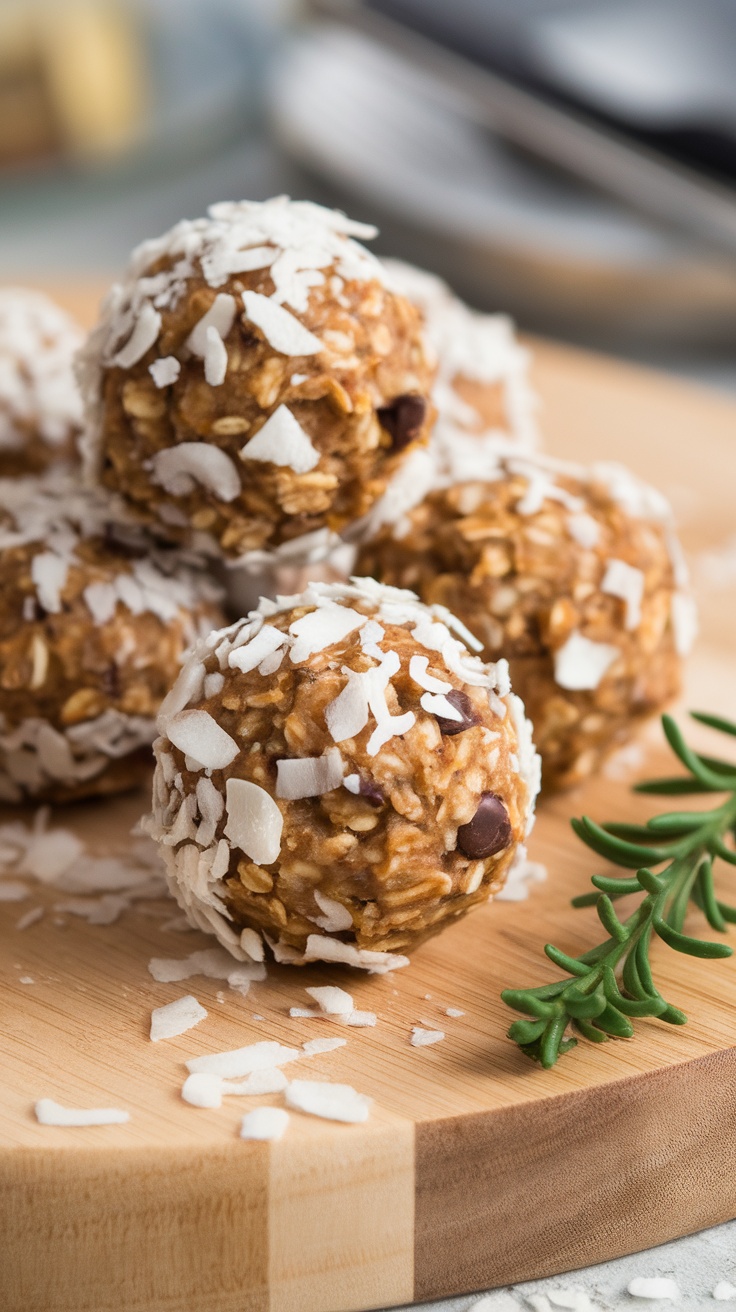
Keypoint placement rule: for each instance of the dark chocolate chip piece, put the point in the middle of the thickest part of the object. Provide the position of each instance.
(488, 832)
(403, 419)
(463, 704)
(371, 792)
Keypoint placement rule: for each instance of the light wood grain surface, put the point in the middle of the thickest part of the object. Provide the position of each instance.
(476, 1168)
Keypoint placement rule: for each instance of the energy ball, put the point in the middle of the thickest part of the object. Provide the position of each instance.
(255, 383)
(482, 389)
(40, 405)
(574, 575)
(339, 773)
(482, 396)
(93, 630)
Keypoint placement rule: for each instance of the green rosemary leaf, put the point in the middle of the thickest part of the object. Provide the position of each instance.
(608, 986)
(526, 1031)
(616, 886)
(707, 896)
(675, 786)
(718, 848)
(691, 760)
(609, 919)
(629, 855)
(714, 722)
(693, 947)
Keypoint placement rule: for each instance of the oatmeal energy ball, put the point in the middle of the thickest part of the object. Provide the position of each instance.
(574, 575)
(254, 382)
(482, 396)
(338, 773)
(92, 633)
(40, 405)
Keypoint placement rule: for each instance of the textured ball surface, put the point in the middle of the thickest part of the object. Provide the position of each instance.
(574, 576)
(307, 785)
(254, 384)
(92, 633)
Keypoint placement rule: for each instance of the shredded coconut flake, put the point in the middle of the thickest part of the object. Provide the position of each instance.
(202, 1090)
(322, 628)
(146, 330)
(180, 468)
(653, 1287)
(254, 821)
(241, 1061)
(269, 1080)
(422, 1038)
(333, 1102)
(264, 1123)
(309, 776)
(626, 582)
(176, 1018)
(313, 1047)
(335, 917)
(581, 664)
(165, 371)
(332, 1000)
(49, 1112)
(199, 736)
(282, 441)
(219, 319)
(281, 329)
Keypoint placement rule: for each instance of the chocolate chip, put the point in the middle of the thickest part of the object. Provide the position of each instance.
(463, 704)
(488, 832)
(403, 419)
(371, 792)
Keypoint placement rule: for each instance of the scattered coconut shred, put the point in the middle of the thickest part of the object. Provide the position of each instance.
(49, 1112)
(101, 888)
(176, 1018)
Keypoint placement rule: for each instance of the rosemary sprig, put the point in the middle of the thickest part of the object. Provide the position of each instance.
(606, 988)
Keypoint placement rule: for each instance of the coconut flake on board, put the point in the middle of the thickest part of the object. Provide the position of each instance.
(176, 1018)
(49, 1112)
(332, 1102)
(423, 1038)
(264, 1123)
(315, 1047)
(238, 1062)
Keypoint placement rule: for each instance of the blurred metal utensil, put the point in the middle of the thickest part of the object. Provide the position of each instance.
(676, 196)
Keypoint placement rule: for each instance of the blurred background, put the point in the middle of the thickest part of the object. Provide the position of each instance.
(571, 162)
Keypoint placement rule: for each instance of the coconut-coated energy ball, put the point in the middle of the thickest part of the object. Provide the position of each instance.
(339, 773)
(40, 405)
(254, 383)
(574, 575)
(93, 629)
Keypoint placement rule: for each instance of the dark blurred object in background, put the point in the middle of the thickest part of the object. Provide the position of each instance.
(412, 135)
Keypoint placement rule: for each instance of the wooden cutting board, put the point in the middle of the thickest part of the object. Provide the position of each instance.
(476, 1168)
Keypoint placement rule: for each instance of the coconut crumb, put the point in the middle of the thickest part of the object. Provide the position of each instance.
(264, 1123)
(332, 1102)
(176, 1018)
(423, 1038)
(49, 1112)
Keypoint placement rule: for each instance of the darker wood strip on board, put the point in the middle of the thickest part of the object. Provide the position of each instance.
(547, 1187)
